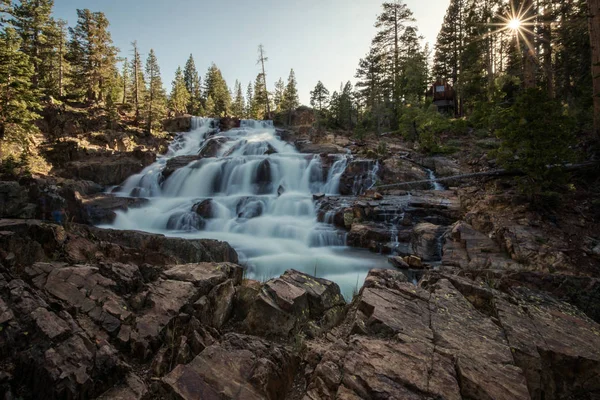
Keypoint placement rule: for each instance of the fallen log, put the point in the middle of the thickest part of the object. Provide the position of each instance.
(497, 173)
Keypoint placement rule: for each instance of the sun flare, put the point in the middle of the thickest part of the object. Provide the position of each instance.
(515, 24)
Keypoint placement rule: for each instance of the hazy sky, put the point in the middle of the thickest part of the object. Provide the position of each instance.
(320, 39)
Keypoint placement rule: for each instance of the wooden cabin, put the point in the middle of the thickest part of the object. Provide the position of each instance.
(443, 96)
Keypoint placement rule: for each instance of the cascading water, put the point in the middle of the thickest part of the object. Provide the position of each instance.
(255, 193)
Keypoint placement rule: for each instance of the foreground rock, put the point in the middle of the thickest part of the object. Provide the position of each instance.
(454, 338)
(93, 313)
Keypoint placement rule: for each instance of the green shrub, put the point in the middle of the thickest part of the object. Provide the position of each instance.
(536, 138)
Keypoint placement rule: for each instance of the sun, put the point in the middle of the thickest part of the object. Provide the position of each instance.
(515, 24)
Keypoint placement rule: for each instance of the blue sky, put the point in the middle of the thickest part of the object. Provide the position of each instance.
(320, 39)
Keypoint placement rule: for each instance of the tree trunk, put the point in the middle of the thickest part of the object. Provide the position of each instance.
(594, 15)
(529, 54)
(547, 43)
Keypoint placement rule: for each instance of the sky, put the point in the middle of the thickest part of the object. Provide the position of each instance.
(320, 39)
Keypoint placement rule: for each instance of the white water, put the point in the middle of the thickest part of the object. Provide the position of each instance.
(260, 190)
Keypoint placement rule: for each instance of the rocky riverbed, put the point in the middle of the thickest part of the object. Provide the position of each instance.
(504, 306)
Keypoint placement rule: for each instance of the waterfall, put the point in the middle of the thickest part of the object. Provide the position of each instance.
(248, 187)
(431, 176)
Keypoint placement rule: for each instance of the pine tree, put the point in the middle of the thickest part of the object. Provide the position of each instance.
(249, 97)
(192, 84)
(278, 95)
(393, 25)
(210, 107)
(216, 88)
(180, 97)
(290, 96)
(319, 96)
(138, 83)
(33, 22)
(18, 99)
(238, 108)
(92, 55)
(258, 108)
(156, 101)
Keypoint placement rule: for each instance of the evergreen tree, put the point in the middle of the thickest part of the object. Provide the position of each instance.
(210, 107)
(249, 97)
(392, 25)
(192, 84)
(33, 22)
(238, 108)
(138, 83)
(18, 99)
(216, 88)
(319, 96)
(278, 95)
(180, 97)
(258, 108)
(156, 101)
(92, 55)
(290, 96)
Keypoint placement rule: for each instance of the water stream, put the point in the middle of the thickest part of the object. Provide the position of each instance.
(255, 193)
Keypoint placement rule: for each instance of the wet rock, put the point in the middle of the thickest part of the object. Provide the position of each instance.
(178, 124)
(177, 163)
(280, 190)
(204, 209)
(369, 236)
(213, 147)
(249, 207)
(426, 241)
(318, 196)
(358, 177)
(239, 367)
(263, 177)
(228, 123)
(101, 209)
(398, 262)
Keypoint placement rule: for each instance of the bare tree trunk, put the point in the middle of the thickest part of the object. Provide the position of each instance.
(262, 60)
(594, 15)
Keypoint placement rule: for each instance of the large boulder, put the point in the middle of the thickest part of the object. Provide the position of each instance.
(293, 303)
(239, 367)
(178, 124)
(108, 169)
(14, 201)
(176, 163)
